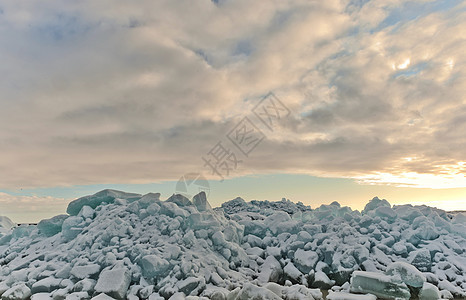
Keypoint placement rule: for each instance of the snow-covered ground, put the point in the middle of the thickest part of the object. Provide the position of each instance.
(116, 245)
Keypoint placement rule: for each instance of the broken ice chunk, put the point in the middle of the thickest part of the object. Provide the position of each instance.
(172, 210)
(107, 196)
(71, 227)
(407, 273)
(17, 292)
(374, 204)
(149, 199)
(305, 261)
(153, 266)
(386, 213)
(250, 291)
(86, 271)
(347, 296)
(190, 284)
(201, 203)
(179, 200)
(48, 285)
(114, 282)
(271, 270)
(52, 226)
(381, 285)
(102, 297)
(86, 212)
(421, 259)
(299, 291)
(292, 272)
(6, 224)
(322, 281)
(41, 296)
(281, 222)
(429, 292)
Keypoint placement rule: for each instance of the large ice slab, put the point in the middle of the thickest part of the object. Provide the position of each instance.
(107, 196)
(381, 285)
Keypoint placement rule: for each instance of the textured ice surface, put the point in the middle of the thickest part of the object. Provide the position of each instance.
(116, 245)
(153, 266)
(348, 296)
(6, 223)
(429, 292)
(270, 271)
(105, 196)
(17, 292)
(382, 286)
(52, 226)
(406, 273)
(201, 203)
(114, 282)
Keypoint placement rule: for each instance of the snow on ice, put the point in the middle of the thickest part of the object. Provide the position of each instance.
(117, 245)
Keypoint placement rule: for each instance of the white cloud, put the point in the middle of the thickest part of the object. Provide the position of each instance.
(26, 209)
(138, 92)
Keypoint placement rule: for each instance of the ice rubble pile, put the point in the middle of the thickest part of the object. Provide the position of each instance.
(116, 245)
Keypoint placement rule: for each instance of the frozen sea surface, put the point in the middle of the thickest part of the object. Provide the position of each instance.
(117, 245)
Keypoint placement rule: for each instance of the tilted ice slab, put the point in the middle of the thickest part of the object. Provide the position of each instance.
(5, 226)
(117, 245)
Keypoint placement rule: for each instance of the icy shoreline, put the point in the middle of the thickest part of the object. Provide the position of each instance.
(128, 246)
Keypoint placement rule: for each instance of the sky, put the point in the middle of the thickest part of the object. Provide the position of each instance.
(313, 101)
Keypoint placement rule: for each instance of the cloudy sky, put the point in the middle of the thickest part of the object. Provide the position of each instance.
(368, 98)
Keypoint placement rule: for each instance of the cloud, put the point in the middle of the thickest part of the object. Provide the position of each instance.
(137, 93)
(29, 208)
